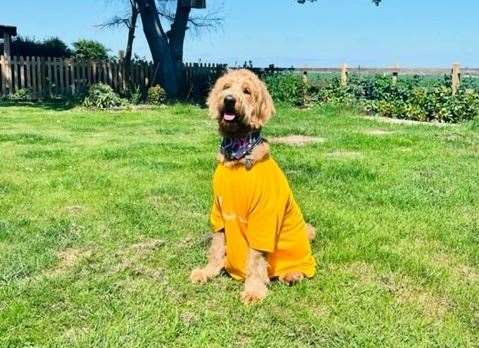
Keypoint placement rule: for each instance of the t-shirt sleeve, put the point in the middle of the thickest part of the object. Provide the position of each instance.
(263, 225)
(216, 217)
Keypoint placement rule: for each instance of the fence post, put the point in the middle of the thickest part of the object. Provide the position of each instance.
(344, 75)
(123, 73)
(305, 87)
(456, 77)
(7, 75)
(7, 60)
(395, 75)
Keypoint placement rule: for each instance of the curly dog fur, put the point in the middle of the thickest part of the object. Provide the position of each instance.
(253, 103)
(254, 107)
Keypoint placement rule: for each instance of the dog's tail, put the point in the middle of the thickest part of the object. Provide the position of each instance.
(311, 231)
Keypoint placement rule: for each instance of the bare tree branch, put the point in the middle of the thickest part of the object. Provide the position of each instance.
(209, 21)
(116, 21)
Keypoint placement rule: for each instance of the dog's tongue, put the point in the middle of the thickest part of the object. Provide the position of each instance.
(229, 117)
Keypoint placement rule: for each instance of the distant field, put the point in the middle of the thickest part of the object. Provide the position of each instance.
(103, 215)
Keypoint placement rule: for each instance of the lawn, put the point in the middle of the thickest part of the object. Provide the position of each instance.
(104, 214)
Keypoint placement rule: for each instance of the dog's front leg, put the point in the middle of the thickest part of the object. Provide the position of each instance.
(216, 260)
(257, 280)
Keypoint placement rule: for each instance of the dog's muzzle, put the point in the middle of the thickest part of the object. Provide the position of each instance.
(229, 112)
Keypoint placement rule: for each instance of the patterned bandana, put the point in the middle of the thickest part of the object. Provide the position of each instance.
(235, 149)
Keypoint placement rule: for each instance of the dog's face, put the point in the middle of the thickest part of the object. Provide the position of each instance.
(240, 102)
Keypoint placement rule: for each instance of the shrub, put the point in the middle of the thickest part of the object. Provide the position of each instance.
(102, 96)
(421, 98)
(135, 96)
(287, 88)
(22, 94)
(429, 104)
(90, 49)
(52, 47)
(156, 95)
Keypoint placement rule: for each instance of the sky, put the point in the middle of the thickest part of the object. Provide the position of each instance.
(327, 33)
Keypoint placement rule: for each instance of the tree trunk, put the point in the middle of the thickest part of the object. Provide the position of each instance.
(165, 67)
(129, 44)
(177, 39)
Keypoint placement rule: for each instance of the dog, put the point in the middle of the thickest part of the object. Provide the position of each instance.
(259, 231)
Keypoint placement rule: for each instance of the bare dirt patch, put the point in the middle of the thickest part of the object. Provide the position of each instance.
(146, 246)
(430, 304)
(134, 259)
(403, 288)
(68, 259)
(296, 140)
(377, 132)
(406, 122)
(435, 256)
(74, 209)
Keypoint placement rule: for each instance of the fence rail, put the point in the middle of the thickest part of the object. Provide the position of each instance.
(456, 72)
(51, 77)
(367, 70)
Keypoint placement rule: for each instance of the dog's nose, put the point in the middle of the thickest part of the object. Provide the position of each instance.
(230, 100)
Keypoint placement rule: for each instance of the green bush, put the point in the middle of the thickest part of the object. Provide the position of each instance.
(102, 96)
(156, 95)
(90, 49)
(22, 94)
(287, 88)
(135, 96)
(429, 104)
(421, 98)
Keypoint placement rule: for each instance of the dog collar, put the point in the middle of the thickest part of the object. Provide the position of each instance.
(235, 149)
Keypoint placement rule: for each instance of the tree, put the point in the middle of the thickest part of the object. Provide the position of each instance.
(166, 47)
(26, 47)
(90, 49)
(166, 13)
(128, 20)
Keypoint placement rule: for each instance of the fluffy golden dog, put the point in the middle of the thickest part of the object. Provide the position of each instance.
(260, 232)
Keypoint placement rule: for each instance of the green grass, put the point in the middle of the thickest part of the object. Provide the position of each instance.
(103, 215)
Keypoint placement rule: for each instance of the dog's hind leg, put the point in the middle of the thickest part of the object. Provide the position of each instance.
(257, 280)
(216, 260)
(311, 231)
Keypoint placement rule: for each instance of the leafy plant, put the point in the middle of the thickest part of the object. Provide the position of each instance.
(102, 96)
(156, 95)
(421, 98)
(51, 47)
(22, 94)
(90, 49)
(135, 96)
(288, 88)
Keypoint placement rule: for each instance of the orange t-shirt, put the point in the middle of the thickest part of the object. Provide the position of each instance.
(256, 209)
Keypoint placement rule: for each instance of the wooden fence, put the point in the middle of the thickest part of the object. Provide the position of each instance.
(456, 72)
(199, 77)
(52, 77)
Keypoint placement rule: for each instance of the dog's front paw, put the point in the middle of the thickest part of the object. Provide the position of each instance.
(199, 276)
(291, 278)
(252, 295)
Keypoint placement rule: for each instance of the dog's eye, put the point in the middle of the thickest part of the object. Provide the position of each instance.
(246, 91)
(225, 87)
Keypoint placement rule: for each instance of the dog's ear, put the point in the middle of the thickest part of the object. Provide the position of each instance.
(266, 108)
(212, 101)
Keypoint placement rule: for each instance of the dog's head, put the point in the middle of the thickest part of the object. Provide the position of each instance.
(240, 102)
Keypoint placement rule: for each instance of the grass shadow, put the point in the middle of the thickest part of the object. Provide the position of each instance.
(51, 105)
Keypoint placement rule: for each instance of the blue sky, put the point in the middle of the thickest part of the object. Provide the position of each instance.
(413, 33)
